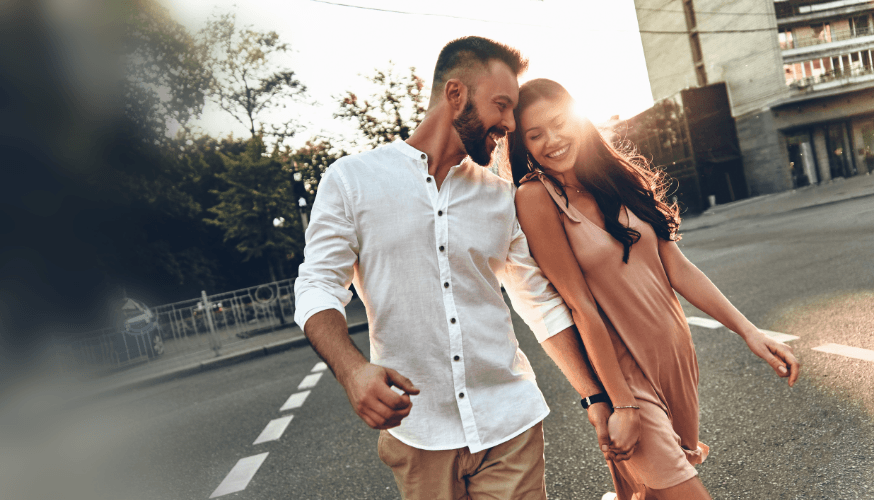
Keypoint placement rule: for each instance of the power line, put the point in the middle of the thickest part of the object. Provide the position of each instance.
(707, 32)
(660, 32)
(337, 4)
(708, 12)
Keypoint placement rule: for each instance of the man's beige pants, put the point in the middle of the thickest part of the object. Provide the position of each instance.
(511, 470)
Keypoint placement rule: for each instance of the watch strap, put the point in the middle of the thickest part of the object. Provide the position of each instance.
(597, 398)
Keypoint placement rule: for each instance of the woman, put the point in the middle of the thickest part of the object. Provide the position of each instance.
(599, 227)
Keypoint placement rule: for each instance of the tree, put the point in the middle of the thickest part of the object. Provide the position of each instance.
(258, 210)
(166, 76)
(247, 80)
(392, 113)
(310, 163)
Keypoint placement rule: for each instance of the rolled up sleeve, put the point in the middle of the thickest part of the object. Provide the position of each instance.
(330, 253)
(532, 295)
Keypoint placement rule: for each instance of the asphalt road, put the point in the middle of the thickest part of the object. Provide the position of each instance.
(808, 273)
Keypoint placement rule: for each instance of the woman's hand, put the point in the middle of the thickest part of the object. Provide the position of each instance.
(599, 415)
(776, 354)
(624, 428)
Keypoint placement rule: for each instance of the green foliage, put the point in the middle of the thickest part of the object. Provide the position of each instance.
(310, 163)
(166, 76)
(390, 114)
(247, 78)
(258, 210)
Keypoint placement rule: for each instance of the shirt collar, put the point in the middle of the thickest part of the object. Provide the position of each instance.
(409, 151)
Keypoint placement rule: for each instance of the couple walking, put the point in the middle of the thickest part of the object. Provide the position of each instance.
(585, 248)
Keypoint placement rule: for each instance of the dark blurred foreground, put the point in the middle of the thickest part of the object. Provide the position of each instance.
(60, 104)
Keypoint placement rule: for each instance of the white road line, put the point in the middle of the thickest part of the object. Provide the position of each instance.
(705, 322)
(310, 381)
(274, 430)
(779, 337)
(240, 475)
(845, 350)
(295, 401)
(713, 324)
(319, 367)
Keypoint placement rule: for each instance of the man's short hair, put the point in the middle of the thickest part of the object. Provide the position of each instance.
(467, 53)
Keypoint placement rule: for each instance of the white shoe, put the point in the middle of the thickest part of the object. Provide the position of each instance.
(609, 496)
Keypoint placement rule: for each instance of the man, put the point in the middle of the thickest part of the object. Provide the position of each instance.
(427, 239)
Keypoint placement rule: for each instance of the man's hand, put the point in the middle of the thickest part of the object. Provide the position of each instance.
(368, 388)
(776, 354)
(598, 414)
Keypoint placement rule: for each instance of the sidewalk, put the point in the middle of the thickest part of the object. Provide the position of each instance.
(836, 190)
(163, 369)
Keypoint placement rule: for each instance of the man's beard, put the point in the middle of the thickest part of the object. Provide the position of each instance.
(474, 135)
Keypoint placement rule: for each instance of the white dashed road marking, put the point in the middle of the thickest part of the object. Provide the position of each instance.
(319, 367)
(274, 430)
(705, 322)
(713, 324)
(240, 475)
(310, 381)
(779, 337)
(845, 350)
(295, 401)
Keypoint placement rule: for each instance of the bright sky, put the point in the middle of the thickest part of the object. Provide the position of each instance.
(592, 47)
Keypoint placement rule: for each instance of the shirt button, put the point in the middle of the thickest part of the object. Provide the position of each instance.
(446, 285)
(460, 394)
(442, 248)
(428, 179)
(456, 357)
(452, 321)
(424, 156)
(439, 213)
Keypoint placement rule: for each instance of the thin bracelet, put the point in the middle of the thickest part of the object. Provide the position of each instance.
(621, 407)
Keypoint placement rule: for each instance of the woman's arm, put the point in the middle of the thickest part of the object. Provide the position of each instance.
(549, 246)
(695, 287)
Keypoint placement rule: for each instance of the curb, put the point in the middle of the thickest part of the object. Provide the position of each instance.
(713, 219)
(220, 362)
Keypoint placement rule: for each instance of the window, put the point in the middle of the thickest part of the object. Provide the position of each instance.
(822, 32)
(697, 56)
(786, 41)
(701, 74)
(859, 26)
(690, 14)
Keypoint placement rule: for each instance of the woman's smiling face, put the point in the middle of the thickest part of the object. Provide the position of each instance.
(551, 134)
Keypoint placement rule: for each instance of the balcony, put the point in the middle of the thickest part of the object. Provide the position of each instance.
(825, 36)
(802, 10)
(833, 78)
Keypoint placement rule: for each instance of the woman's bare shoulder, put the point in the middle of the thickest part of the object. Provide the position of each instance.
(532, 192)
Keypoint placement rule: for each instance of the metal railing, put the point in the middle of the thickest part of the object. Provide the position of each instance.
(827, 37)
(188, 327)
(790, 9)
(836, 74)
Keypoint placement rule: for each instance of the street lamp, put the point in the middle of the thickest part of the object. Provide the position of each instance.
(302, 202)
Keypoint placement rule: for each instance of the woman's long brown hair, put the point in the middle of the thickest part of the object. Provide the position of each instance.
(613, 178)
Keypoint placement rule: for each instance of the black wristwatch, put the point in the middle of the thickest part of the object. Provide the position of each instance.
(597, 398)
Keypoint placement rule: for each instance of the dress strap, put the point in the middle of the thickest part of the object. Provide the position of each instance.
(570, 211)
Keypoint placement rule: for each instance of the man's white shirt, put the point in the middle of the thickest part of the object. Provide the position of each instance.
(428, 265)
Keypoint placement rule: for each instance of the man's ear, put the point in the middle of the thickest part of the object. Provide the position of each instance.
(455, 93)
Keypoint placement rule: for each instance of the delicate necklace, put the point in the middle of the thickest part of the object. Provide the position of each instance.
(581, 191)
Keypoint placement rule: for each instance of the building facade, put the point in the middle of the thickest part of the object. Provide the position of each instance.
(799, 75)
